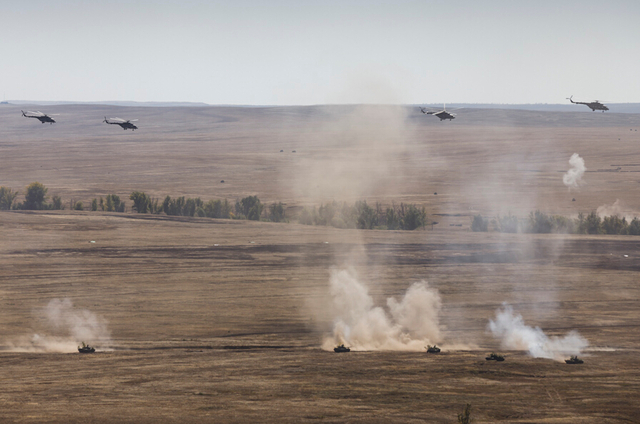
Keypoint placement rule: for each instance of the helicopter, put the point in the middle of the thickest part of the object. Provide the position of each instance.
(443, 114)
(42, 117)
(592, 105)
(126, 125)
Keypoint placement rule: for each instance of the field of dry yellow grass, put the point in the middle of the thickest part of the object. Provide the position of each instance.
(205, 320)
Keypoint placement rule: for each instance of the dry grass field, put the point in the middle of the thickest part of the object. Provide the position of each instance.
(204, 320)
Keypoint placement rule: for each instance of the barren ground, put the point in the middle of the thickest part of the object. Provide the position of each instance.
(218, 320)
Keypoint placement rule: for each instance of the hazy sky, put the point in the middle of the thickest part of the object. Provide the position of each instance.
(280, 52)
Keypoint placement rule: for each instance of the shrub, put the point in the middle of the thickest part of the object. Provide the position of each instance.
(465, 416)
(78, 206)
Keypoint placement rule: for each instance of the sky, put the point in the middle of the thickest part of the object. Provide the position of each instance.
(286, 52)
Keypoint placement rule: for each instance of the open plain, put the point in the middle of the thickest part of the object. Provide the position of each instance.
(223, 320)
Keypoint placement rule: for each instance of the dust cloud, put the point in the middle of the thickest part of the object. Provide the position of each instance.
(573, 177)
(510, 328)
(64, 327)
(618, 208)
(359, 152)
(409, 323)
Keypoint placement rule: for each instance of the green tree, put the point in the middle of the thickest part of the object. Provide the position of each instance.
(276, 212)
(367, 217)
(540, 222)
(56, 203)
(479, 224)
(392, 218)
(634, 227)
(593, 223)
(507, 224)
(7, 196)
(414, 218)
(250, 208)
(78, 206)
(94, 205)
(141, 201)
(35, 197)
(614, 225)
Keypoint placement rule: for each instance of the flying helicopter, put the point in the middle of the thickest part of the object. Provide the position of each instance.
(126, 125)
(592, 105)
(443, 114)
(42, 117)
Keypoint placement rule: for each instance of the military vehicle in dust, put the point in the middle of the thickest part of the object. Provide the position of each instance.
(85, 348)
(494, 357)
(341, 348)
(432, 349)
(574, 360)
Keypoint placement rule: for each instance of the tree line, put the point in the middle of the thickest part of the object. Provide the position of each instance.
(541, 223)
(363, 216)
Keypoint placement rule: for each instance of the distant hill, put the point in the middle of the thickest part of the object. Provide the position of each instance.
(543, 107)
(108, 103)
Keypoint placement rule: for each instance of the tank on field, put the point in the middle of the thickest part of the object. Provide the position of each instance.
(341, 348)
(574, 360)
(432, 349)
(85, 348)
(494, 357)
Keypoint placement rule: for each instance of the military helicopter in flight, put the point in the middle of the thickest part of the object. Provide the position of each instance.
(592, 105)
(126, 125)
(42, 117)
(443, 114)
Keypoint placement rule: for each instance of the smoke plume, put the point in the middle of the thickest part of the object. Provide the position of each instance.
(515, 335)
(617, 208)
(573, 177)
(410, 323)
(63, 329)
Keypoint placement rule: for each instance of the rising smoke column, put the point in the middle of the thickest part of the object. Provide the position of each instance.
(64, 328)
(573, 177)
(410, 324)
(515, 335)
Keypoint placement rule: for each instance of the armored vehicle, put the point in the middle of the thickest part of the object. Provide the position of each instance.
(495, 357)
(432, 349)
(86, 348)
(341, 348)
(574, 360)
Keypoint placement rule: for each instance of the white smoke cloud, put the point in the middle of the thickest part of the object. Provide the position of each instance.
(515, 335)
(617, 208)
(65, 327)
(573, 177)
(411, 324)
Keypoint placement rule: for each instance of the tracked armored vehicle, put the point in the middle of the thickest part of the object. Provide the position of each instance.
(495, 357)
(574, 360)
(341, 348)
(85, 348)
(432, 349)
